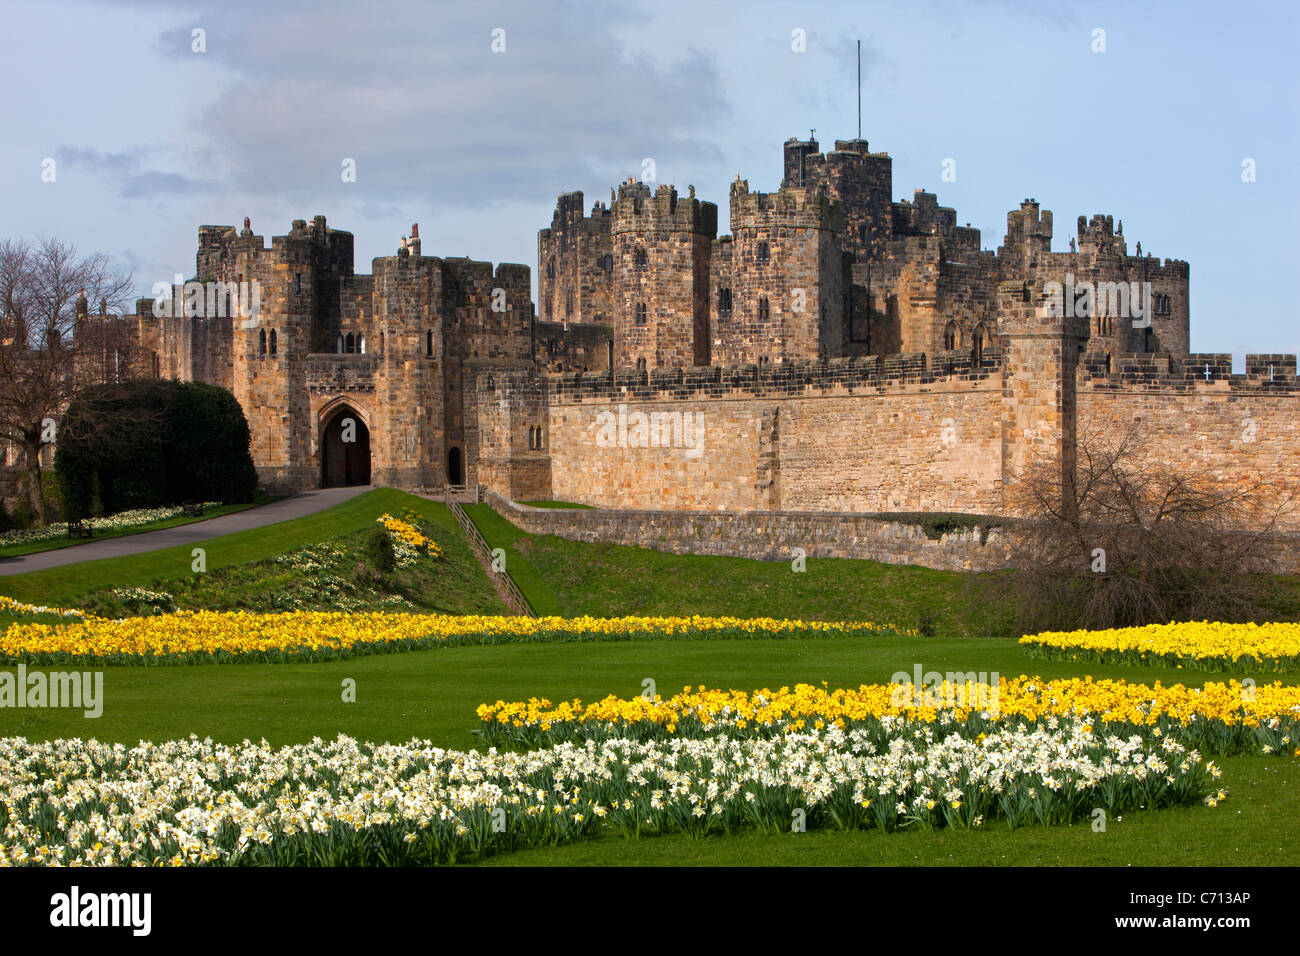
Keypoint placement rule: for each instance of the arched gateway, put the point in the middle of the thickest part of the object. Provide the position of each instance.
(344, 448)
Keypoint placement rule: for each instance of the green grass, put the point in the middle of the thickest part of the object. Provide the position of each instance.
(1255, 826)
(500, 533)
(65, 586)
(332, 575)
(574, 577)
(433, 694)
(55, 544)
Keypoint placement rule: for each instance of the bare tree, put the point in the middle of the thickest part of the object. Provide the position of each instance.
(51, 346)
(1124, 539)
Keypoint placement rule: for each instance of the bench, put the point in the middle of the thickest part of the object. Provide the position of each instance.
(80, 529)
(192, 507)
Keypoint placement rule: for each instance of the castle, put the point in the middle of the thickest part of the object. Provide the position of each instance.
(837, 351)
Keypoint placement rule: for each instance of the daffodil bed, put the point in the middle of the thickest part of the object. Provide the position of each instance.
(347, 803)
(1220, 718)
(189, 637)
(1204, 645)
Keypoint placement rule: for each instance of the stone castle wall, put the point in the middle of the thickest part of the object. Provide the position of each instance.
(768, 536)
(900, 434)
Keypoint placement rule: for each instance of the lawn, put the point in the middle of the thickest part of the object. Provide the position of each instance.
(433, 694)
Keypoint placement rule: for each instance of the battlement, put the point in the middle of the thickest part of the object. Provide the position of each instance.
(805, 207)
(569, 215)
(1028, 230)
(922, 215)
(1099, 235)
(1197, 370)
(636, 209)
(834, 376)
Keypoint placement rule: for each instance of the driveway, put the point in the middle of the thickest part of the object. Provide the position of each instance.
(286, 509)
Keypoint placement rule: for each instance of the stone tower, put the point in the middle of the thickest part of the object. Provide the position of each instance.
(661, 277)
(788, 277)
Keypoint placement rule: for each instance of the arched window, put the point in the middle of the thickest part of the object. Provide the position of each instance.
(340, 345)
(568, 304)
(764, 310)
(951, 337)
(979, 339)
(349, 343)
(274, 342)
(640, 313)
(361, 344)
(640, 365)
(428, 344)
(641, 259)
(550, 268)
(261, 342)
(764, 252)
(724, 302)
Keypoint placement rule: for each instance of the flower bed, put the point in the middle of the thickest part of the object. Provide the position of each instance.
(17, 608)
(207, 636)
(123, 519)
(1200, 645)
(1220, 718)
(409, 543)
(345, 803)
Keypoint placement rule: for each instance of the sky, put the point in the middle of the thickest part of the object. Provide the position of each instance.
(153, 129)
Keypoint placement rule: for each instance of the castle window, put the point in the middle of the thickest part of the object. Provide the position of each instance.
(350, 343)
(1161, 304)
(361, 344)
(550, 268)
(261, 342)
(428, 344)
(724, 302)
(951, 337)
(568, 305)
(640, 365)
(978, 341)
(297, 282)
(764, 253)
(764, 310)
(273, 342)
(641, 259)
(340, 345)
(640, 313)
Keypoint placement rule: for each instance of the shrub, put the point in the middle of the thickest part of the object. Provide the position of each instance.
(380, 553)
(144, 444)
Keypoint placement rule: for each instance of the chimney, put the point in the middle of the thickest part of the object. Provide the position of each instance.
(413, 245)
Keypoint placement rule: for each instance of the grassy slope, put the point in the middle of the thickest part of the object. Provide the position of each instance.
(64, 585)
(610, 579)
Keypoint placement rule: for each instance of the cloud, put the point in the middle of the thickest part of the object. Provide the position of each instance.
(416, 96)
(125, 168)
